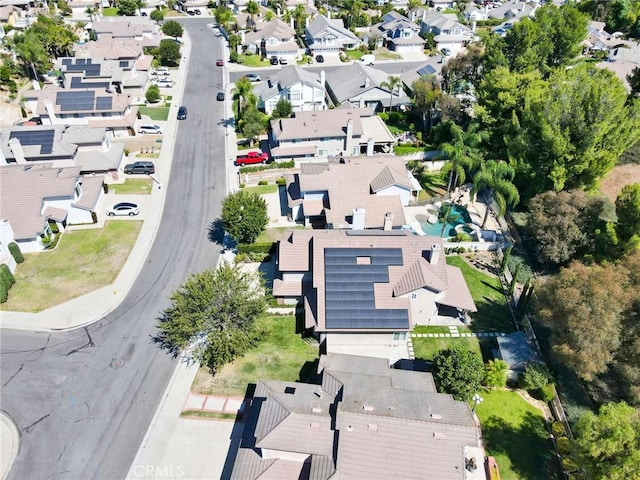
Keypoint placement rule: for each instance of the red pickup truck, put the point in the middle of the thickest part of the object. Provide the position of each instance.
(250, 158)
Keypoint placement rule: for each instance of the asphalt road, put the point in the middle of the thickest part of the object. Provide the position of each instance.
(83, 400)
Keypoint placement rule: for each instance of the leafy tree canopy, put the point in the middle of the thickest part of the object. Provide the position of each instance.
(628, 212)
(172, 28)
(283, 109)
(211, 317)
(157, 15)
(168, 52)
(458, 372)
(244, 216)
(128, 8)
(608, 443)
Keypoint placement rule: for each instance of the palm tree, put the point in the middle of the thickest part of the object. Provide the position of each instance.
(496, 179)
(243, 91)
(391, 84)
(252, 9)
(462, 153)
(299, 16)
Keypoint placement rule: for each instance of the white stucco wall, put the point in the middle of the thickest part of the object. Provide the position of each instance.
(423, 305)
(405, 194)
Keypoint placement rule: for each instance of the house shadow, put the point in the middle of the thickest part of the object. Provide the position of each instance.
(241, 436)
(267, 270)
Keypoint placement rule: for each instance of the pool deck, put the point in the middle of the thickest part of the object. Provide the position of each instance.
(476, 212)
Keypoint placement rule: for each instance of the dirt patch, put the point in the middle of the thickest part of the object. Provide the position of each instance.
(9, 112)
(618, 178)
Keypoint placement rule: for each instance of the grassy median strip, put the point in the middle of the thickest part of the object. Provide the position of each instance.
(84, 261)
(207, 414)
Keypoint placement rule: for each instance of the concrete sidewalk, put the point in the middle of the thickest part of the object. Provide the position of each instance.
(9, 444)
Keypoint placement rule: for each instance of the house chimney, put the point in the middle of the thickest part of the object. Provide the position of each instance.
(18, 153)
(434, 258)
(306, 22)
(291, 22)
(369, 147)
(323, 78)
(388, 221)
(357, 221)
(367, 82)
(347, 144)
(328, 14)
(473, 26)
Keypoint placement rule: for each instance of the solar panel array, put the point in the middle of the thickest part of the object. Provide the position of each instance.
(76, 82)
(349, 295)
(44, 138)
(82, 65)
(104, 103)
(74, 100)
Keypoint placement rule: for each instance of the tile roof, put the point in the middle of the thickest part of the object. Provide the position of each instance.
(350, 185)
(321, 25)
(275, 28)
(415, 272)
(385, 424)
(23, 190)
(53, 144)
(320, 124)
(53, 94)
(350, 80)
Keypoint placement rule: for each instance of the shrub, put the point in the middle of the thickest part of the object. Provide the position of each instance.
(384, 116)
(535, 376)
(563, 444)
(14, 249)
(6, 281)
(395, 117)
(545, 393)
(265, 248)
(153, 94)
(242, 185)
(54, 227)
(281, 181)
(263, 182)
(461, 237)
(557, 428)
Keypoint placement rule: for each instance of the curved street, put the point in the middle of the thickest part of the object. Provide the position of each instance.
(82, 400)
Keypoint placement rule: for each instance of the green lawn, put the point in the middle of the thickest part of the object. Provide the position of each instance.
(515, 434)
(254, 61)
(430, 329)
(355, 54)
(139, 186)
(426, 348)
(155, 113)
(270, 235)
(84, 261)
(262, 189)
(110, 12)
(493, 313)
(283, 355)
(387, 56)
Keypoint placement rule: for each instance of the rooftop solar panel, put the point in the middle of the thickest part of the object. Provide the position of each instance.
(75, 100)
(349, 288)
(44, 138)
(104, 103)
(67, 61)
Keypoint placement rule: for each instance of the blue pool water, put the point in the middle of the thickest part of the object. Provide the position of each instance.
(459, 215)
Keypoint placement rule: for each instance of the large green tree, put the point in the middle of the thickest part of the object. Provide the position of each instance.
(459, 372)
(168, 52)
(461, 152)
(128, 8)
(244, 215)
(172, 28)
(243, 91)
(628, 212)
(582, 306)
(426, 93)
(211, 316)
(563, 224)
(608, 443)
(391, 84)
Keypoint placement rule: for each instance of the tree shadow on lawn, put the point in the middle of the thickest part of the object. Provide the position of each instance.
(492, 316)
(493, 287)
(527, 446)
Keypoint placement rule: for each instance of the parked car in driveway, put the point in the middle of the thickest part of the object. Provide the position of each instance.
(150, 129)
(182, 113)
(319, 58)
(140, 168)
(273, 60)
(164, 82)
(253, 77)
(251, 158)
(161, 71)
(123, 208)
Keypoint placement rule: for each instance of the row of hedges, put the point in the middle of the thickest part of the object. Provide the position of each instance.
(6, 281)
(268, 166)
(255, 252)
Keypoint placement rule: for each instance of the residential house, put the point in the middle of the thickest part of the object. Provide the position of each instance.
(476, 13)
(361, 85)
(364, 291)
(433, 66)
(513, 10)
(94, 107)
(272, 39)
(6, 238)
(61, 146)
(142, 29)
(326, 195)
(120, 76)
(399, 33)
(20, 14)
(338, 132)
(32, 197)
(517, 351)
(597, 38)
(326, 36)
(362, 419)
(623, 60)
(304, 89)
(440, 5)
(85, 10)
(450, 36)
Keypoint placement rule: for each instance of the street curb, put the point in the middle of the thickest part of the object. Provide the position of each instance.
(9, 435)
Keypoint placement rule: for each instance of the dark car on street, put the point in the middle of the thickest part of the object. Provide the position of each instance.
(182, 113)
(220, 63)
(220, 96)
(273, 60)
(140, 168)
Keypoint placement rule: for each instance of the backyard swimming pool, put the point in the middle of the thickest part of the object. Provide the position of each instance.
(458, 215)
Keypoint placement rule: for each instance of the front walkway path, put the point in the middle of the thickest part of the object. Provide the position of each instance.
(457, 334)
